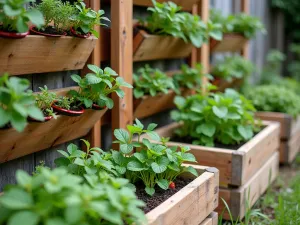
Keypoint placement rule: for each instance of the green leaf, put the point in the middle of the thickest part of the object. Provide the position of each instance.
(151, 126)
(188, 157)
(16, 199)
(138, 93)
(73, 214)
(245, 131)
(179, 101)
(126, 148)
(158, 168)
(120, 93)
(110, 71)
(135, 166)
(220, 112)
(150, 191)
(55, 221)
(36, 17)
(133, 129)
(95, 69)
(208, 129)
(4, 117)
(9, 11)
(140, 156)
(122, 135)
(24, 217)
(163, 184)
(192, 170)
(121, 169)
(21, 25)
(23, 178)
(153, 135)
(92, 79)
(79, 162)
(138, 124)
(118, 158)
(35, 113)
(109, 103)
(76, 78)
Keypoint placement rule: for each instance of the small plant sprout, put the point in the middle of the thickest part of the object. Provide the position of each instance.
(44, 101)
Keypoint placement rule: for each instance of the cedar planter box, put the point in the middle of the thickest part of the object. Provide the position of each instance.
(222, 84)
(192, 204)
(212, 219)
(289, 134)
(39, 54)
(153, 47)
(185, 4)
(230, 43)
(236, 166)
(238, 198)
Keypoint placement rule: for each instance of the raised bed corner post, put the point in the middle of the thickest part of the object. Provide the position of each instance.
(94, 135)
(121, 59)
(245, 8)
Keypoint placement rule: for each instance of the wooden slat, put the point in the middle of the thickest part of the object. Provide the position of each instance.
(212, 219)
(38, 54)
(237, 198)
(191, 205)
(153, 47)
(289, 149)
(245, 7)
(185, 4)
(229, 43)
(121, 59)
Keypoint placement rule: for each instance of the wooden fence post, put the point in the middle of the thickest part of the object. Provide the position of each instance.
(245, 9)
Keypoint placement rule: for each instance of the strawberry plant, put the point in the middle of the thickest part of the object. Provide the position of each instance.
(151, 81)
(96, 87)
(233, 67)
(166, 19)
(225, 118)
(273, 98)
(44, 101)
(57, 197)
(17, 103)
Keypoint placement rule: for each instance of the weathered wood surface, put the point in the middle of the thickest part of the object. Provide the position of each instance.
(222, 84)
(229, 43)
(236, 166)
(39, 54)
(192, 204)
(155, 47)
(185, 4)
(241, 198)
(289, 149)
(212, 219)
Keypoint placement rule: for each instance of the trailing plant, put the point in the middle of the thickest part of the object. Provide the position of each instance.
(57, 197)
(151, 81)
(44, 101)
(87, 19)
(190, 78)
(240, 23)
(233, 67)
(226, 118)
(17, 103)
(97, 86)
(166, 19)
(15, 18)
(272, 98)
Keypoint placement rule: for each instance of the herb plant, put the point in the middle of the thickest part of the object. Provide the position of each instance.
(225, 118)
(273, 98)
(65, 102)
(233, 67)
(166, 19)
(44, 101)
(57, 197)
(87, 18)
(240, 23)
(14, 17)
(151, 81)
(17, 103)
(97, 86)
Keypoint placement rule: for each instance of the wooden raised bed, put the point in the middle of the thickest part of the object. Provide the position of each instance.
(212, 219)
(289, 134)
(238, 198)
(185, 4)
(229, 43)
(236, 166)
(39, 54)
(153, 47)
(38, 136)
(192, 204)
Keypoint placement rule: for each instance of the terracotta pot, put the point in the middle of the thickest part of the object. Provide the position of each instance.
(33, 31)
(46, 118)
(97, 107)
(68, 112)
(79, 35)
(13, 35)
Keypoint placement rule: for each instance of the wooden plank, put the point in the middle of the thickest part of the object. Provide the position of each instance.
(191, 205)
(185, 4)
(166, 47)
(222, 84)
(229, 43)
(238, 198)
(212, 219)
(39, 54)
(245, 7)
(121, 59)
(38, 136)
(289, 149)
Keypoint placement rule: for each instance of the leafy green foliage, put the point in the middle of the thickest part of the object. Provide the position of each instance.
(151, 81)
(294, 66)
(44, 101)
(87, 19)
(166, 19)
(95, 87)
(58, 13)
(233, 67)
(154, 164)
(272, 98)
(17, 103)
(65, 102)
(57, 197)
(14, 17)
(225, 118)
(239, 23)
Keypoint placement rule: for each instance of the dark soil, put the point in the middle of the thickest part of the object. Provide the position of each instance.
(6, 30)
(160, 195)
(79, 31)
(49, 30)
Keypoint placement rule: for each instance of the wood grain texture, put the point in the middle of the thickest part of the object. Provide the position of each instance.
(245, 8)
(212, 219)
(289, 149)
(185, 4)
(229, 43)
(249, 193)
(191, 205)
(236, 166)
(39, 54)
(154, 47)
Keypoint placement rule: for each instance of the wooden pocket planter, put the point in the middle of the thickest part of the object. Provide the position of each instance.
(232, 42)
(153, 47)
(39, 54)
(222, 84)
(192, 204)
(185, 4)
(289, 134)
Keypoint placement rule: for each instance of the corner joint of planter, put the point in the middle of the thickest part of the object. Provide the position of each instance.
(213, 170)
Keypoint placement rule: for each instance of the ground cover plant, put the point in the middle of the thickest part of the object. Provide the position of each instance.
(205, 117)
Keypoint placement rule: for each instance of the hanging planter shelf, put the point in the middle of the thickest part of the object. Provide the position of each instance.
(185, 4)
(231, 43)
